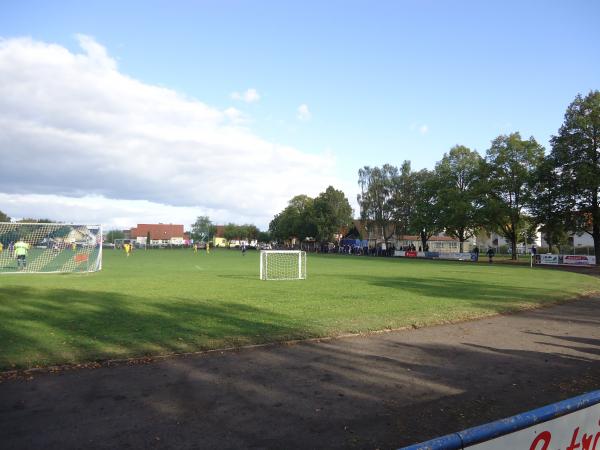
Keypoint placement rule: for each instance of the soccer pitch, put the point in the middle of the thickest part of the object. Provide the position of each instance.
(169, 301)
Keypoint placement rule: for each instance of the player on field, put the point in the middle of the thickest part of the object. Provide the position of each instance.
(127, 248)
(208, 248)
(21, 250)
(490, 254)
(195, 248)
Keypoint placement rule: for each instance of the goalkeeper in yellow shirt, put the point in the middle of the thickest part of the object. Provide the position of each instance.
(21, 250)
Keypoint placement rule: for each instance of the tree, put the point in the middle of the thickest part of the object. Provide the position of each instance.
(507, 181)
(576, 153)
(264, 236)
(31, 220)
(296, 220)
(231, 231)
(202, 229)
(331, 212)
(4, 217)
(377, 199)
(426, 214)
(247, 231)
(547, 208)
(114, 234)
(458, 174)
(403, 199)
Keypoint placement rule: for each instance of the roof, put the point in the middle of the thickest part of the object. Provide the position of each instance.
(157, 230)
(220, 231)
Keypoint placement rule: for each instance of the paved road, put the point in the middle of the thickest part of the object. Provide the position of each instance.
(378, 391)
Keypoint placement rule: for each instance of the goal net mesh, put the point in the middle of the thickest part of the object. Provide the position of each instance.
(282, 265)
(50, 247)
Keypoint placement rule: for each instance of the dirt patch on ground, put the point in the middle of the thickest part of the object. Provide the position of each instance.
(378, 391)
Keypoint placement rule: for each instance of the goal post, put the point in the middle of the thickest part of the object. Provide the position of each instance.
(50, 248)
(282, 265)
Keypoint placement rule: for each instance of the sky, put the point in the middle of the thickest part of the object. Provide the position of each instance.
(142, 112)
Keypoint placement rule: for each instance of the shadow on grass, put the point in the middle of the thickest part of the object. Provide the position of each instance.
(475, 293)
(41, 327)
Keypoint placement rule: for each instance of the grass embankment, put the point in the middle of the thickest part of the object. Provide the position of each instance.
(166, 301)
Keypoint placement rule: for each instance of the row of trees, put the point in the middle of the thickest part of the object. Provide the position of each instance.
(513, 190)
(5, 218)
(204, 230)
(319, 218)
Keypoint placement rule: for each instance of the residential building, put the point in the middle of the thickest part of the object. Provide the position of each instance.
(375, 237)
(160, 234)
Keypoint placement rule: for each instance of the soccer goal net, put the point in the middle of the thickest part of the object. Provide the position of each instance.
(50, 247)
(282, 265)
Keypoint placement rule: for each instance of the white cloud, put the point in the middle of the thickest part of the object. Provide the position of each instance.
(250, 96)
(72, 126)
(235, 116)
(423, 128)
(303, 112)
(111, 213)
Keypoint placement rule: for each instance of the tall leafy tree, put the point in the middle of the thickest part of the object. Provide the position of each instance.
(404, 191)
(576, 152)
(231, 231)
(425, 218)
(332, 211)
(296, 220)
(4, 217)
(548, 204)
(507, 183)
(264, 236)
(202, 229)
(377, 199)
(457, 175)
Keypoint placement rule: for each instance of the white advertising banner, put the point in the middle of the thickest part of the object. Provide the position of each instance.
(570, 260)
(579, 430)
(579, 260)
(549, 259)
(456, 256)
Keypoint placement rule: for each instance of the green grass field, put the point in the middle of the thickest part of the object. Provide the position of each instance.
(168, 301)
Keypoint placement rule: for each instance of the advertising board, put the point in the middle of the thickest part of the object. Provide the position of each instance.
(579, 260)
(458, 256)
(549, 259)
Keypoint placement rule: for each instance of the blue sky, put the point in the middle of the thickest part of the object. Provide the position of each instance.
(383, 81)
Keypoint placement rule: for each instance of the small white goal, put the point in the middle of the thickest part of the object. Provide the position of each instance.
(282, 265)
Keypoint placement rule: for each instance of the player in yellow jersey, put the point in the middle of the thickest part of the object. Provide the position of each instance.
(21, 250)
(195, 248)
(208, 248)
(1, 247)
(127, 248)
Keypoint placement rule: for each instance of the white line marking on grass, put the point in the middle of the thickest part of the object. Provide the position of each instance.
(198, 267)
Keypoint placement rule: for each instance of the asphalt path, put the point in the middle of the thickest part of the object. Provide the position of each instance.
(377, 391)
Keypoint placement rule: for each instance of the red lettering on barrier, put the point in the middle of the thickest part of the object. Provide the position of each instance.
(586, 441)
(574, 445)
(543, 436)
(596, 438)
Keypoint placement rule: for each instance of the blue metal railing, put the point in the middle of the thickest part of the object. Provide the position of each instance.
(481, 433)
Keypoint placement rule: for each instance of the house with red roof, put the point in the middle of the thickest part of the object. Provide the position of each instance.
(160, 234)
